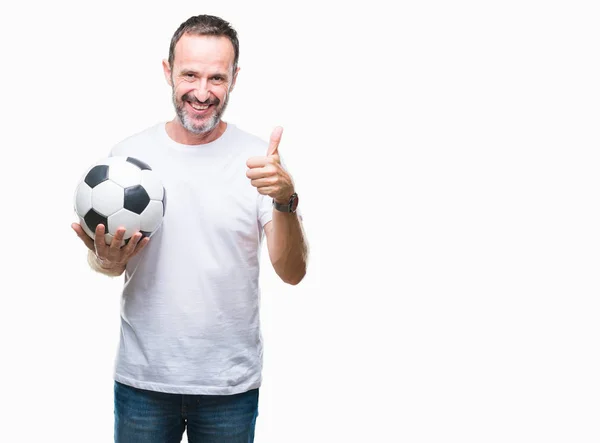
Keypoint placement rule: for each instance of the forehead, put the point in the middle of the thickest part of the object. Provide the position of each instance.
(203, 51)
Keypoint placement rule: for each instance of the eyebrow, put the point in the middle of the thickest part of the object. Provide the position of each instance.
(191, 71)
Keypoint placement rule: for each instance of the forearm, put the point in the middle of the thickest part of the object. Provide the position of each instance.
(289, 252)
(98, 266)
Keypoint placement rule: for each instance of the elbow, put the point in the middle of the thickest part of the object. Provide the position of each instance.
(295, 278)
(294, 281)
(290, 272)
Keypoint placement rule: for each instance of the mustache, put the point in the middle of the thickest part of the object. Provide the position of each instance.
(190, 98)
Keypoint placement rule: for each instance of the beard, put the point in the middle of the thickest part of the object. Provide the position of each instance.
(199, 125)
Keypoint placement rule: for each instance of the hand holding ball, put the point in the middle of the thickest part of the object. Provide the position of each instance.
(120, 192)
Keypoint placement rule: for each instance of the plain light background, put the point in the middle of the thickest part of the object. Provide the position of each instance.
(446, 157)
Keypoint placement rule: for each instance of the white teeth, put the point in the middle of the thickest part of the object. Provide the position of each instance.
(199, 107)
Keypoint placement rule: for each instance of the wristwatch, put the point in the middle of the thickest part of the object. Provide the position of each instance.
(290, 206)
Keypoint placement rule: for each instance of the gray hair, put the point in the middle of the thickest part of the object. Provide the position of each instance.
(206, 25)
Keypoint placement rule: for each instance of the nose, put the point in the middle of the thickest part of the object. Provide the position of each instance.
(202, 92)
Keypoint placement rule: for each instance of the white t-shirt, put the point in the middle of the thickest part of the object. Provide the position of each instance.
(190, 305)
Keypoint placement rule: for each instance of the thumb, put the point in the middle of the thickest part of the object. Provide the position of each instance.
(274, 142)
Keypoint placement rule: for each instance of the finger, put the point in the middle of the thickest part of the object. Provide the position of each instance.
(141, 245)
(86, 239)
(256, 173)
(274, 142)
(263, 182)
(117, 240)
(267, 190)
(132, 243)
(257, 162)
(100, 242)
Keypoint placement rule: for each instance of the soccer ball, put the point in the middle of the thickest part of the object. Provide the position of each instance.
(120, 192)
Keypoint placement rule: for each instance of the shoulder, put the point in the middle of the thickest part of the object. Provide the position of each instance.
(250, 143)
(135, 140)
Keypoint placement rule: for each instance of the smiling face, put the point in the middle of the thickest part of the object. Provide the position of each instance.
(202, 76)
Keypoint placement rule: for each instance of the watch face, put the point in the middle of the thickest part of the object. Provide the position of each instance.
(294, 202)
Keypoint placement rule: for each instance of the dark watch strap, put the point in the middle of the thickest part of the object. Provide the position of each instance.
(290, 206)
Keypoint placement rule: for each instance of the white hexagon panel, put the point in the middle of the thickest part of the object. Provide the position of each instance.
(125, 174)
(124, 218)
(152, 216)
(83, 198)
(108, 198)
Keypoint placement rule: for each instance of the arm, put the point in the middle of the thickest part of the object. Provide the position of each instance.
(287, 245)
(288, 249)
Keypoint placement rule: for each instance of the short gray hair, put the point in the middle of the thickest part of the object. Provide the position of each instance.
(206, 25)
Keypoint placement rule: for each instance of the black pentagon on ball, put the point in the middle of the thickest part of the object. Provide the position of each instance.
(140, 164)
(97, 175)
(93, 219)
(136, 199)
(164, 201)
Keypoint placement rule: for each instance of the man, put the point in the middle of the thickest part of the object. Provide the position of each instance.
(190, 352)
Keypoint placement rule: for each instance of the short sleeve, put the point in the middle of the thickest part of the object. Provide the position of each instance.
(265, 210)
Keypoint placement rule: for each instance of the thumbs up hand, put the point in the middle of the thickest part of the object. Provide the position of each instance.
(267, 175)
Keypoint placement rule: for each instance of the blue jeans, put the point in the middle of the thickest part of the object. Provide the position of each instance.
(143, 416)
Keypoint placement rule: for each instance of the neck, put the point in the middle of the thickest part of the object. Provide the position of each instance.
(179, 134)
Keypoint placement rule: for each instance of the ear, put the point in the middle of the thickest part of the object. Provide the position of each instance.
(167, 71)
(235, 74)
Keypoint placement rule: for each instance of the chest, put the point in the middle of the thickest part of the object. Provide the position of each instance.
(213, 194)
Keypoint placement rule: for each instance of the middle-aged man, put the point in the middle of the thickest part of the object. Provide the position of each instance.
(190, 352)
